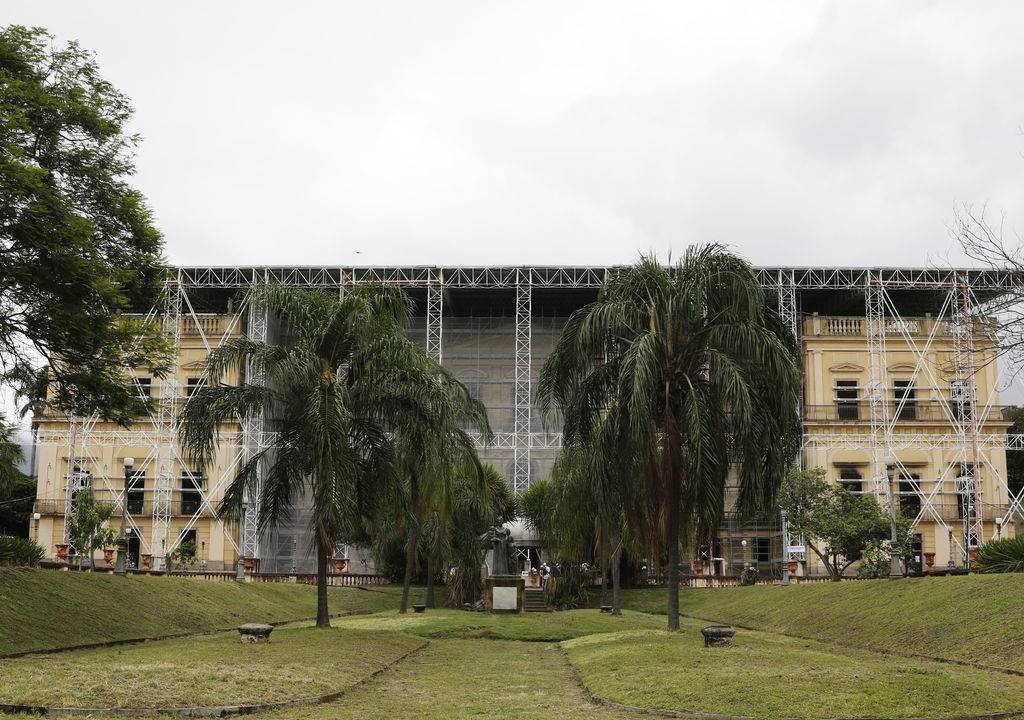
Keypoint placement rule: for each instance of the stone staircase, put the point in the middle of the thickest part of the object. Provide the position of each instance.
(534, 600)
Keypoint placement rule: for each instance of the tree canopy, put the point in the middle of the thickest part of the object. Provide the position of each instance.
(77, 243)
(675, 376)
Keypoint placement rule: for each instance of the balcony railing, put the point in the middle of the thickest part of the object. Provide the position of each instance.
(928, 411)
(180, 507)
(854, 326)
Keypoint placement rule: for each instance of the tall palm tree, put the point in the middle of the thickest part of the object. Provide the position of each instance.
(342, 390)
(675, 374)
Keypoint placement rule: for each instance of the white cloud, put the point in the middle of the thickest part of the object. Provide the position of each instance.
(531, 132)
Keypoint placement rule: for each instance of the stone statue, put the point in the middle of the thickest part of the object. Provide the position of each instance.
(503, 557)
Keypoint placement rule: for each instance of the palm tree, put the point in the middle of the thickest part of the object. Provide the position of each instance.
(473, 515)
(674, 375)
(344, 392)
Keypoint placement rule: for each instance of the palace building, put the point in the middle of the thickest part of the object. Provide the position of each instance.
(902, 399)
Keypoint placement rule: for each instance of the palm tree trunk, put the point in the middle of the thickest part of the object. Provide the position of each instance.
(410, 567)
(616, 586)
(431, 572)
(323, 618)
(604, 566)
(671, 484)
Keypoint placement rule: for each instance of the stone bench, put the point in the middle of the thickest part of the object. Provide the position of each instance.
(255, 632)
(419, 608)
(606, 608)
(718, 635)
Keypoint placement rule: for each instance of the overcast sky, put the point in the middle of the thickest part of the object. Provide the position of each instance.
(539, 132)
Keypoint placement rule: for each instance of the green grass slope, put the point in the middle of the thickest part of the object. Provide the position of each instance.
(975, 618)
(765, 675)
(45, 609)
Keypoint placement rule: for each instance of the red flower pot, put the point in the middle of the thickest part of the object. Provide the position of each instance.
(62, 552)
(147, 561)
(793, 566)
(973, 552)
(340, 565)
(929, 560)
(108, 556)
(698, 567)
(248, 562)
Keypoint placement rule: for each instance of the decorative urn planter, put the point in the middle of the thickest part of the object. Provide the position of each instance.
(340, 565)
(248, 563)
(62, 552)
(973, 552)
(929, 560)
(793, 566)
(698, 567)
(108, 556)
(147, 561)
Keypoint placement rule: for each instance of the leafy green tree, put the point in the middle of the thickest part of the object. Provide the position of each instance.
(77, 243)
(675, 374)
(349, 397)
(474, 514)
(17, 490)
(87, 525)
(437, 462)
(839, 526)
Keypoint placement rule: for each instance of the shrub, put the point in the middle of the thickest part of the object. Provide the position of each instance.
(1002, 555)
(566, 587)
(875, 561)
(19, 551)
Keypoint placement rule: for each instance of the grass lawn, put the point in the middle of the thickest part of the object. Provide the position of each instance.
(771, 676)
(209, 670)
(43, 609)
(972, 618)
(467, 680)
(535, 627)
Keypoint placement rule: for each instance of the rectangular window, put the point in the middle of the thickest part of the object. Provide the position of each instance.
(960, 400)
(193, 385)
(144, 386)
(847, 399)
(905, 399)
(964, 501)
(910, 500)
(136, 493)
(191, 497)
(850, 479)
(763, 549)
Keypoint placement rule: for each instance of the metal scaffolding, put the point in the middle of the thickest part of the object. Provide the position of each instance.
(252, 432)
(523, 384)
(954, 295)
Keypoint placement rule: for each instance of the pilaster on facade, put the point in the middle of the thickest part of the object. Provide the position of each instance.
(523, 384)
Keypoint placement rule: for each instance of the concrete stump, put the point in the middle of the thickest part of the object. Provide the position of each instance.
(718, 635)
(255, 632)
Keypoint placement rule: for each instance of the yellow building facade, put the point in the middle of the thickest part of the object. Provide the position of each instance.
(933, 429)
(169, 500)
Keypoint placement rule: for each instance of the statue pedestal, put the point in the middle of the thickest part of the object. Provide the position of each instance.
(504, 593)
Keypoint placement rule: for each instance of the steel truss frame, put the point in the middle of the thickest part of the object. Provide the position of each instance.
(83, 439)
(523, 384)
(252, 432)
(967, 438)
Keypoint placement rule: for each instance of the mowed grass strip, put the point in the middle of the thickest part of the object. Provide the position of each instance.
(771, 676)
(467, 680)
(531, 627)
(204, 671)
(972, 618)
(47, 609)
